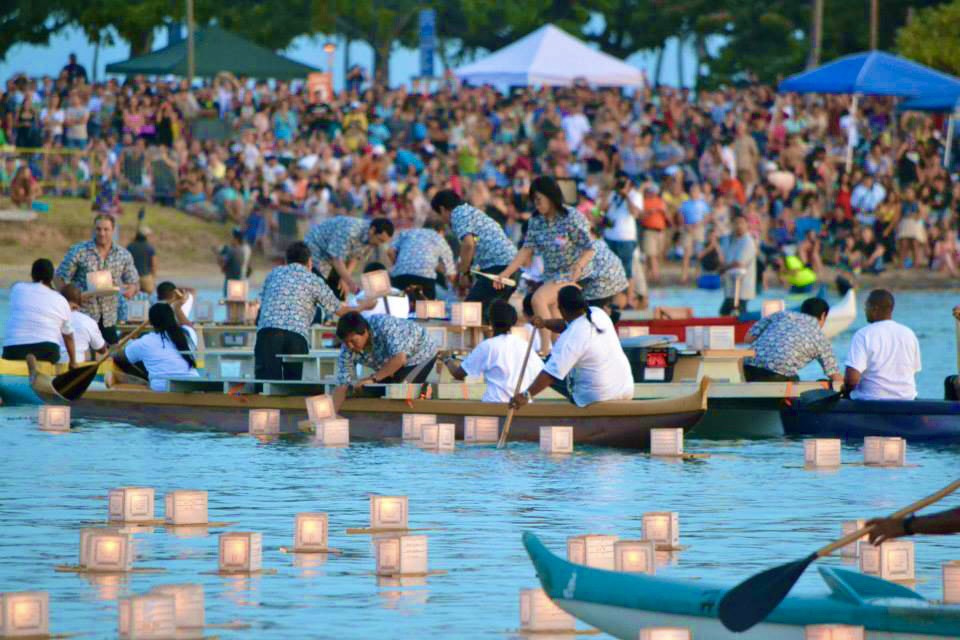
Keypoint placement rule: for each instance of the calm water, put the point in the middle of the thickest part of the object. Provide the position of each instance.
(748, 506)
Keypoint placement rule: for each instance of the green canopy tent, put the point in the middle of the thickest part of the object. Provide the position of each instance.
(215, 50)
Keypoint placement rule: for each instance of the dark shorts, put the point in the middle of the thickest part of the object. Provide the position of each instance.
(426, 285)
(277, 342)
(623, 249)
(414, 374)
(42, 351)
(726, 309)
(759, 374)
(484, 292)
(110, 334)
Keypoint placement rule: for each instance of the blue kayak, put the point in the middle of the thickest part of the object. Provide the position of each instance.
(622, 604)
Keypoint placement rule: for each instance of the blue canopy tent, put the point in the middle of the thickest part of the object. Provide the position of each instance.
(945, 101)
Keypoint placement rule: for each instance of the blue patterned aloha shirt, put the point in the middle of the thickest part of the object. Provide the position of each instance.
(494, 248)
(607, 277)
(388, 337)
(290, 297)
(785, 342)
(560, 242)
(83, 258)
(419, 251)
(340, 237)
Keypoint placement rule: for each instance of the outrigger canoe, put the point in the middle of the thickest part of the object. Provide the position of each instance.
(622, 604)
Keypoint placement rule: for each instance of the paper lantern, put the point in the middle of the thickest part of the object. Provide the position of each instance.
(203, 311)
(185, 506)
(375, 284)
(720, 337)
(833, 632)
(334, 432)
(401, 555)
(264, 422)
(951, 582)
(821, 452)
(250, 312)
(131, 504)
(439, 336)
(100, 280)
(556, 439)
(665, 633)
(848, 527)
(890, 560)
(592, 550)
(310, 532)
(662, 528)
(237, 290)
(106, 549)
(137, 310)
(241, 552)
(539, 613)
(431, 309)
(388, 512)
(188, 605)
(771, 307)
(439, 437)
(635, 556)
(24, 614)
(666, 442)
(479, 429)
(413, 424)
(696, 339)
(151, 616)
(320, 408)
(886, 452)
(632, 331)
(466, 314)
(54, 417)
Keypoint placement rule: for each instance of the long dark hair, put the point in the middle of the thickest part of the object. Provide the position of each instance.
(571, 300)
(549, 189)
(164, 321)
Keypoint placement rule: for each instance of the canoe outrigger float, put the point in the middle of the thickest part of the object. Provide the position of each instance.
(622, 604)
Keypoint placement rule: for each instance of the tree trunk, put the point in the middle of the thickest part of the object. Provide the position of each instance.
(141, 42)
(874, 24)
(681, 41)
(658, 67)
(381, 63)
(346, 58)
(816, 34)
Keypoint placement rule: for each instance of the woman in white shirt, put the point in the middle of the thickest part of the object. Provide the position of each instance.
(39, 318)
(163, 352)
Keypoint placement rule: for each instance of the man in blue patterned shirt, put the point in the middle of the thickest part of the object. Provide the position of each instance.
(418, 254)
(397, 350)
(339, 244)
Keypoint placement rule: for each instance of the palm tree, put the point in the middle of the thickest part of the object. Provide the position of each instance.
(816, 34)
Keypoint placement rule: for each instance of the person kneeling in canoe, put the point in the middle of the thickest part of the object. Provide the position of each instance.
(397, 350)
(587, 363)
(164, 353)
(787, 341)
(499, 359)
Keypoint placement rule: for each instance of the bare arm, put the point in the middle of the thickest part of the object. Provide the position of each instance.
(468, 248)
(942, 523)
(523, 257)
(541, 382)
(71, 349)
(851, 379)
(455, 369)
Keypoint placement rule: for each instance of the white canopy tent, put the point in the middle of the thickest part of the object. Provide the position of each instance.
(550, 56)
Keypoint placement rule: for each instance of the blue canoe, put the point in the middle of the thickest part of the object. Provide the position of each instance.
(622, 604)
(820, 413)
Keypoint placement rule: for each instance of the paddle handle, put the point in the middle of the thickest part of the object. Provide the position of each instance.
(509, 282)
(523, 369)
(916, 506)
(123, 341)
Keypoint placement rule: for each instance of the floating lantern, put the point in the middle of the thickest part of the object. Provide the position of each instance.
(320, 408)
(185, 506)
(54, 417)
(539, 613)
(890, 560)
(886, 452)
(634, 556)
(149, 616)
(720, 337)
(310, 532)
(662, 528)
(439, 336)
(100, 281)
(592, 550)
(250, 312)
(466, 314)
(388, 512)
(821, 452)
(334, 432)
(131, 504)
(241, 552)
(632, 331)
(848, 527)
(666, 442)
(401, 555)
(24, 614)
(431, 309)
(951, 582)
(771, 307)
(264, 422)
(137, 310)
(188, 605)
(203, 311)
(237, 290)
(439, 437)
(696, 338)
(478, 429)
(413, 423)
(105, 549)
(556, 439)
(375, 284)
(833, 632)
(665, 633)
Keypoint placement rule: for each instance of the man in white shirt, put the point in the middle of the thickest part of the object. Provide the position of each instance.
(884, 356)
(38, 319)
(86, 333)
(866, 197)
(575, 126)
(740, 266)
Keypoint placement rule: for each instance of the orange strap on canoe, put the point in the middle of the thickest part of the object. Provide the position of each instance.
(463, 388)
(409, 398)
(788, 394)
(234, 393)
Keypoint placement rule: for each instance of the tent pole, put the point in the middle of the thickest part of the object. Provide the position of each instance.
(951, 122)
(852, 133)
(191, 68)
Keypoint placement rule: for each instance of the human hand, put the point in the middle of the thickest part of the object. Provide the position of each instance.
(538, 322)
(519, 400)
(464, 281)
(129, 291)
(885, 529)
(347, 286)
(362, 382)
(956, 312)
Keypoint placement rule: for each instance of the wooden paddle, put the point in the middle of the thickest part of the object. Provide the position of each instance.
(523, 369)
(507, 282)
(73, 383)
(752, 600)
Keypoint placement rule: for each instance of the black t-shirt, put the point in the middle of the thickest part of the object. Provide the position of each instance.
(233, 262)
(142, 253)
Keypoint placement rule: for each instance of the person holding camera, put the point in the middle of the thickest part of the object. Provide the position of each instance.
(623, 206)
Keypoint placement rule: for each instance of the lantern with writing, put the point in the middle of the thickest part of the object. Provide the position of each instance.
(891, 560)
(106, 549)
(98, 281)
(592, 550)
(479, 429)
(431, 309)
(24, 614)
(237, 290)
(413, 424)
(310, 532)
(666, 442)
(439, 437)
(665, 633)
(185, 506)
(137, 310)
(241, 552)
(951, 582)
(320, 408)
(821, 452)
(466, 314)
(719, 337)
(439, 336)
(388, 512)
(848, 527)
(556, 440)
(538, 613)
(662, 528)
(833, 632)
(131, 504)
(149, 616)
(264, 422)
(401, 555)
(54, 417)
(334, 432)
(188, 606)
(771, 307)
(375, 284)
(635, 556)
(203, 311)
(886, 452)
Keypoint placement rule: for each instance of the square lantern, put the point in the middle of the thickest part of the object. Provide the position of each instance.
(334, 432)
(666, 442)
(821, 452)
(401, 555)
(539, 613)
(833, 632)
(431, 309)
(54, 417)
(635, 556)
(771, 307)
(264, 422)
(720, 337)
(237, 290)
(375, 284)
(100, 281)
(632, 331)
(185, 506)
(666, 633)
(24, 614)
(151, 616)
(241, 552)
(131, 504)
(890, 560)
(250, 312)
(203, 311)
(310, 532)
(466, 314)
(106, 549)
(556, 439)
(320, 408)
(137, 310)
(388, 512)
(439, 336)
(439, 437)
(479, 429)
(886, 452)
(592, 550)
(413, 424)
(662, 528)
(951, 582)
(696, 338)
(188, 604)
(848, 527)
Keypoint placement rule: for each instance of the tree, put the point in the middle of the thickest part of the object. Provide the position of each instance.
(381, 24)
(933, 38)
(30, 22)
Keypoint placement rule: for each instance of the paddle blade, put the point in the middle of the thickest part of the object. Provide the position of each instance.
(73, 383)
(752, 600)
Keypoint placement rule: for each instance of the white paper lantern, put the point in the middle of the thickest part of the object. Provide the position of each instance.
(388, 512)
(137, 310)
(665, 633)
(106, 549)
(555, 440)
(401, 555)
(54, 417)
(237, 290)
(635, 556)
(538, 613)
(431, 309)
(632, 331)
(821, 452)
(951, 582)
(320, 408)
(151, 616)
(833, 632)
(310, 532)
(890, 560)
(696, 338)
(439, 336)
(771, 307)
(480, 429)
(720, 337)
(592, 550)
(666, 442)
(188, 605)
(848, 527)
(886, 452)
(24, 614)
(100, 280)
(241, 552)
(334, 432)
(185, 506)
(375, 284)
(264, 422)
(131, 504)
(413, 424)
(466, 314)
(203, 311)
(662, 528)
(439, 437)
